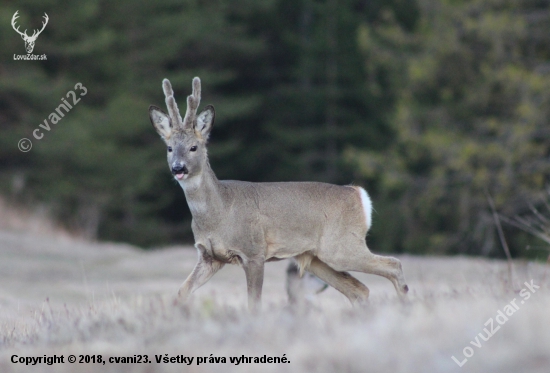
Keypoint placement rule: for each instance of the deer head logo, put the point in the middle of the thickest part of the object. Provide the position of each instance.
(29, 40)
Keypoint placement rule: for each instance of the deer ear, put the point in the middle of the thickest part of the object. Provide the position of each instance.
(161, 121)
(205, 122)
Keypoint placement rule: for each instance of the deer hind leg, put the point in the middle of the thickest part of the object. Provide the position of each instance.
(362, 260)
(345, 283)
(386, 266)
(205, 268)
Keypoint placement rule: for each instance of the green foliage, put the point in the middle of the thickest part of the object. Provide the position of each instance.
(286, 77)
(101, 169)
(471, 117)
(427, 104)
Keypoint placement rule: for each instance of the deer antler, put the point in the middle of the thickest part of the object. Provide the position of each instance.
(15, 16)
(45, 16)
(173, 110)
(193, 102)
(24, 34)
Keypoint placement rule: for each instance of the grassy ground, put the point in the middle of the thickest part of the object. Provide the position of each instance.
(61, 296)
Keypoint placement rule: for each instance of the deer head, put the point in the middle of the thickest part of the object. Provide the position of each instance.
(29, 40)
(185, 138)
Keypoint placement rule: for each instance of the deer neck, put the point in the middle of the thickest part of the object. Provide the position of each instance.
(202, 194)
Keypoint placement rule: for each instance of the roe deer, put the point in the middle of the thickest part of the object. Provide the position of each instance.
(322, 226)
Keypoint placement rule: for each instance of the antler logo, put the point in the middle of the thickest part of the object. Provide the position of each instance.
(29, 40)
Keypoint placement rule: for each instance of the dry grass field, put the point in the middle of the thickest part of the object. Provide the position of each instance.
(61, 296)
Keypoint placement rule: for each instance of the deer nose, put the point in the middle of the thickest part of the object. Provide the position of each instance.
(179, 169)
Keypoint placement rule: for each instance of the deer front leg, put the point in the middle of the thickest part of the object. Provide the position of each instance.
(254, 271)
(205, 268)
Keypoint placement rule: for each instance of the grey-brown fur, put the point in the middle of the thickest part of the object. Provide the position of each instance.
(322, 226)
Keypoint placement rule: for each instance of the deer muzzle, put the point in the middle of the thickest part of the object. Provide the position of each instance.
(180, 171)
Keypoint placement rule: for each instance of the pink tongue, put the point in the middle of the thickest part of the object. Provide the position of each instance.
(179, 176)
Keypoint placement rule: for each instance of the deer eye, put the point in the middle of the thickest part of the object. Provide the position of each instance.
(169, 149)
(193, 148)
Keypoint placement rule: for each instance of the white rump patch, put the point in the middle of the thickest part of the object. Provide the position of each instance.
(367, 206)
